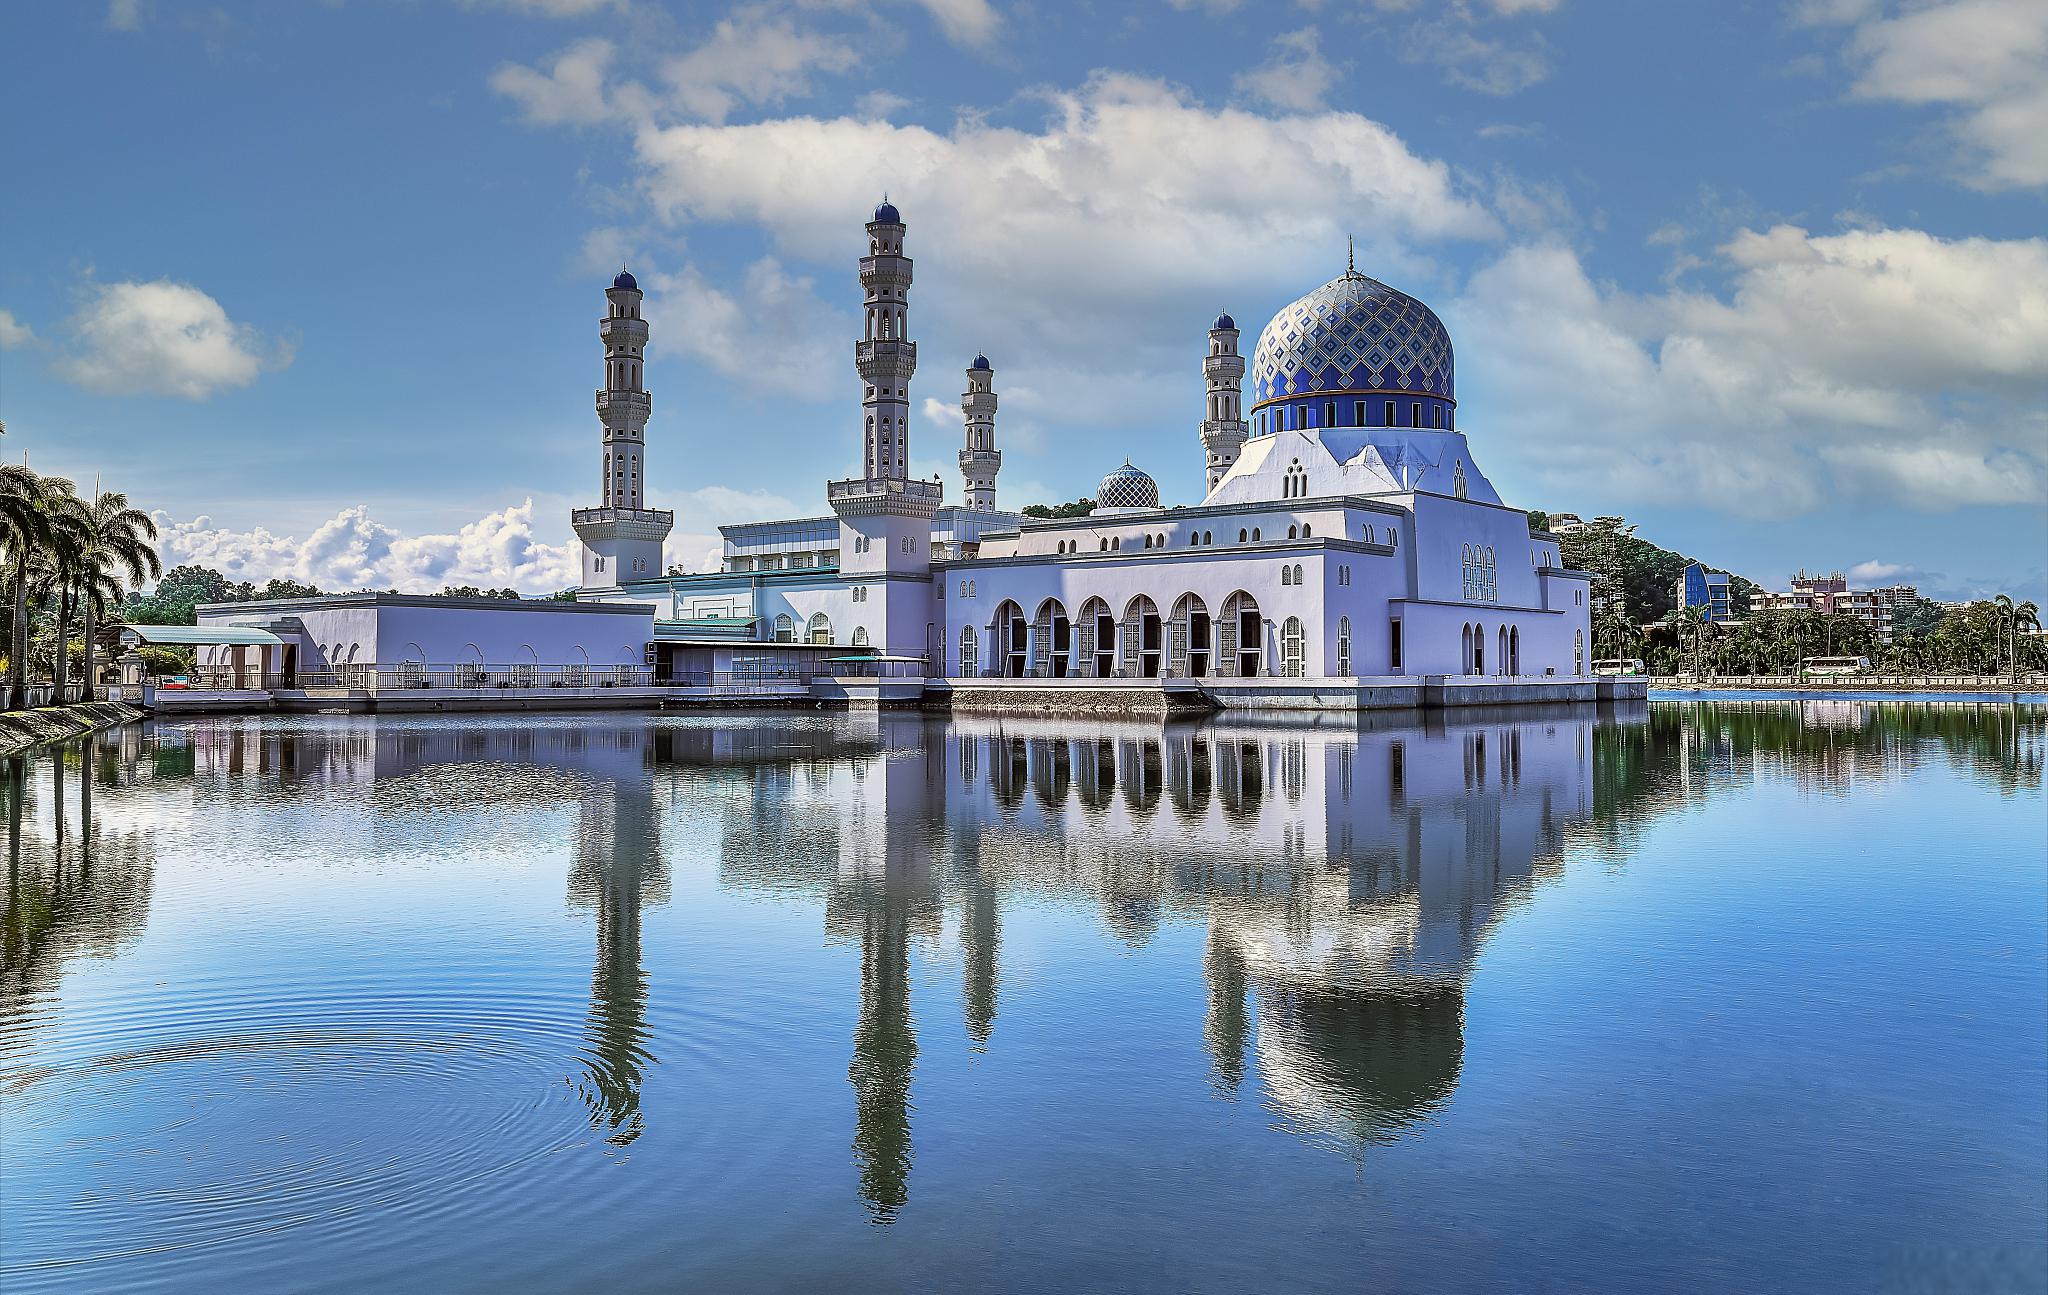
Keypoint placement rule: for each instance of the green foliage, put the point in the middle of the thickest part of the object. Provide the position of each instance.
(471, 591)
(181, 591)
(161, 659)
(1054, 512)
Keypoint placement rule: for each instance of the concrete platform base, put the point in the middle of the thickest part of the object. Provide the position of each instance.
(1121, 698)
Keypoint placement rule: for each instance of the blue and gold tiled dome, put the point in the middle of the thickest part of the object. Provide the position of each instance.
(1353, 337)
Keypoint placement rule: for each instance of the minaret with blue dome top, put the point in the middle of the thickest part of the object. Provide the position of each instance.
(884, 516)
(622, 539)
(1223, 428)
(980, 460)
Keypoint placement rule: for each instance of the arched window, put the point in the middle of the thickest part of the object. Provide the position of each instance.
(1208, 537)
(1104, 544)
(1458, 481)
(1465, 650)
(1255, 534)
(1242, 535)
(970, 589)
(1344, 647)
(785, 629)
(821, 629)
(1306, 533)
(970, 653)
(1286, 575)
(1297, 573)
(860, 636)
(1291, 648)
(1116, 543)
(1293, 532)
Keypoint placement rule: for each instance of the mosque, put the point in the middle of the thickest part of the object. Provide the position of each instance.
(1348, 554)
(1347, 537)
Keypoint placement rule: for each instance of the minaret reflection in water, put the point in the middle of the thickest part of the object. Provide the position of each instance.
(1348, 875)
(618, 871)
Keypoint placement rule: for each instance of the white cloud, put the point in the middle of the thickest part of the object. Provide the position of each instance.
(1882, 364)
(14, 333)
(1132, 206)
(965, 22)
(879, 104)
(161, 338)
(1988, 59)
(354, 551)
(752, 58)
(124, 15)
(571, 92)
(1874, 572)
(1490, 64)
(1295, 77)
(769, 333)
(547, 8)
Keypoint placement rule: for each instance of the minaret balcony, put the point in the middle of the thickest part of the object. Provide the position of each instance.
(616, 332)
(637, 401)
(889, 355)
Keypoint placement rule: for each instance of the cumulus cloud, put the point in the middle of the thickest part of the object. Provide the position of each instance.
(162, 338)
(352, 550)
(570, 92)
(1985, 59)
(964, 22)
(1295, 77)
(1883, 364)
(769, 332)
(1128, 189)
(504, 549)
(14, 333)
(753, 58)
(1085, 253)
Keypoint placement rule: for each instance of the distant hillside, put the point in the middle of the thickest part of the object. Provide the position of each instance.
(1646, 575)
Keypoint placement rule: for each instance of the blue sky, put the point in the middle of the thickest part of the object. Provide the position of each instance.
(319, 282)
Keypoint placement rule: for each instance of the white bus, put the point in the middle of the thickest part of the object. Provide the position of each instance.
(1834, 665)
(1619, 665)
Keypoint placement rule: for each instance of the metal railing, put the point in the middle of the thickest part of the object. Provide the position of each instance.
(1864, 679)
(414, 676)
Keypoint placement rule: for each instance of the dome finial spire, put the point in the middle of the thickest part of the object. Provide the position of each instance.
(1350, 256)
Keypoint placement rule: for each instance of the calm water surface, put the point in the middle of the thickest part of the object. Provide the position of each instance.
(1723, 996)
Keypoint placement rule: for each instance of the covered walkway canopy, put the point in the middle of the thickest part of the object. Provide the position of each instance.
(200, 635)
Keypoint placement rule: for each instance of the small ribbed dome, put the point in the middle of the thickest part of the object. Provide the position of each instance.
(1353, 334)
(1127, 487)
(980, 362)
(886, 214)
(626, 281)
(1223, 321)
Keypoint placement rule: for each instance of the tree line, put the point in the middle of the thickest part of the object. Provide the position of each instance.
(67, 561)
(1636, 614)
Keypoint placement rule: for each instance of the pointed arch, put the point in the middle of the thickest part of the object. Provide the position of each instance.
(1142, 639)
(1241, 638)
(1052, 637)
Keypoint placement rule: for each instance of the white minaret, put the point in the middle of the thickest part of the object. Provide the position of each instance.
(885, 518)
(887, 356)
(981, 460)
(1223, 428)
(622, 538)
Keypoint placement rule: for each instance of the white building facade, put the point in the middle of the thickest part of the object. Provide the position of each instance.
(1347, 532)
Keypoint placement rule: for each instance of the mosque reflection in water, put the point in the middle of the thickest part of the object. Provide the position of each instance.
(1347, 874)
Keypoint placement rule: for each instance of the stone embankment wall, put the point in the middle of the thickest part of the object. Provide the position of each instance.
(21, 729)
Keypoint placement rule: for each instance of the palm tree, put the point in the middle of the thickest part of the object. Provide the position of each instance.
(23, 529)
(2004, 614)
(117, 548)
(1615, 628)
(2017, 616)
(67, 542)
